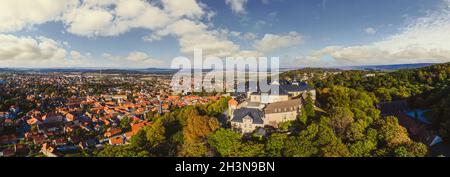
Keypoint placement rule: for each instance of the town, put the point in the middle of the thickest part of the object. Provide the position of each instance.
(51, 114)
(60, 114)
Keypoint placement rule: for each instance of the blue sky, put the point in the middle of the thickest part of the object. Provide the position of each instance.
(300, 32)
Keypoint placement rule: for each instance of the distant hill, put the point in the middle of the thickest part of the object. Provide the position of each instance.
(172, 71)
(388, 67)
(92, 70)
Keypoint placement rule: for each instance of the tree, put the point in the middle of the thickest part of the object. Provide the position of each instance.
(335, 149)
(122, 151)
(139, 141)
(341, 118)
(194, 149)
(225, 142)
(299, 147)
(303, 117)
(309, 106)
(218, 107)
(199, 127)
(125, 124)
(275, 144)
(393, 134)
(195, 133)
(155, 134)
(302, 145)
(251, 149)
(411, 150)
(362, 148)
(356, 131)
(285, 125)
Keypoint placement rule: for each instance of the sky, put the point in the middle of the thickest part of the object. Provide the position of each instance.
(150, 33)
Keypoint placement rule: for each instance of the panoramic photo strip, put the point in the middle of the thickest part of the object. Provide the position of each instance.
(237, 82)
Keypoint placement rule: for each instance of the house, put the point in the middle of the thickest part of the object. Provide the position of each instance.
(88, 143)
(135, 128)
(39, 139)
(32, 121)
(21, 149)
(59, 141)
(49, 151)
(112, 131)
(298, 89)
(3, 115)
(233, 103)
(118, 140)
(246, 120)
(52, 118)
(70, 117)
(284, 92)
(8, 152)
(8, 139)
(279, 112)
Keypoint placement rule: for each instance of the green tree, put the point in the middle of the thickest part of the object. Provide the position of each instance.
(139, 141)
(303, 117)
(309, 106)
(155, 134)
(304, 144)
(275, 144)
(125, 124)
(341, 118)
(411, 150)
(225, 142)
(393, 134)
(122, 151)
(251, 149)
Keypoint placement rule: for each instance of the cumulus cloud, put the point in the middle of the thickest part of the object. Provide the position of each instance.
(42, 52)
(182, 19)
(38, 52)
(237, 6)
(114, 17)
(135, 59)
(194, 35)
(186, 20)
(427, 39)
(189, 8)
(18, 14)
(28, 48)
(273, 42)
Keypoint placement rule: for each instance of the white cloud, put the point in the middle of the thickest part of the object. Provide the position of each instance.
(18, 14)
(244, 36)
(93, 18)
(99, 18)
(75, 55)
(237, 6)
(427, 39)
(370, 30)
(42, 52)
(137, 56)
(273, 42)
(196, 35)
(14, 48)
(189, 8)
(135, 59)
(38, 52)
